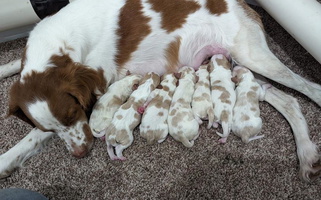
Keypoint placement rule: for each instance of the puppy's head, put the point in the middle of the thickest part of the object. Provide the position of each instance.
(238, 74)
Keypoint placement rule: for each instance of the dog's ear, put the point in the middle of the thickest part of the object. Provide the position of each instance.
(82, 83)
(14, 108)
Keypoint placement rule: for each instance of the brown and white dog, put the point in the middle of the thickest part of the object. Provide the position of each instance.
(72, 57)
(105, 108)
(223, 94)
(182, 125)
(247, 122)
(119, 134)
(154, 126)
(202, 105)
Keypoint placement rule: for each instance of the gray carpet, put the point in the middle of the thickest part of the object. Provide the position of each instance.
(263, 169)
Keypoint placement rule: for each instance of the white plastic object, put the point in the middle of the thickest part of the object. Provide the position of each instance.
(301, 18)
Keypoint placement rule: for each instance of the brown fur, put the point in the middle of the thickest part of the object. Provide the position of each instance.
(216, 7)
(173, 13)
(133, 28)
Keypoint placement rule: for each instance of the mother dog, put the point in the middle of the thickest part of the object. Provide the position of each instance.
(73, 56)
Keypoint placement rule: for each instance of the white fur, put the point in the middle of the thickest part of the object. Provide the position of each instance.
(202, 105)
(154, 126)
(108, 104)
(222, 92)
(247, 122)
(183, 127)
(119, 134)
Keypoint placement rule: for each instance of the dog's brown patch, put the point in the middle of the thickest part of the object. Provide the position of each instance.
(172, 55)
(174, 12)
(216, 7)
(133, 28)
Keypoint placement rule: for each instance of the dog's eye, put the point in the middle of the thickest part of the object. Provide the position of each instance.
(71, 117)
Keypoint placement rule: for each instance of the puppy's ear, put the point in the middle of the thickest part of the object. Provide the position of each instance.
(159, 87)
(210, 67)
(235, 79)
(178, 75)
(135, 86)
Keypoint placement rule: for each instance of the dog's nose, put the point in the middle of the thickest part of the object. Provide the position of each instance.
(80, 152)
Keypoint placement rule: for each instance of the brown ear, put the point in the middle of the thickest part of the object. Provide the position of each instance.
(14, 108)
(135, 86)
(82, 83)
(235, 79)
(178, 75)
(159, 87)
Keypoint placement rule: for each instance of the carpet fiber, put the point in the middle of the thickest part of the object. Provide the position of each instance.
(262, 169)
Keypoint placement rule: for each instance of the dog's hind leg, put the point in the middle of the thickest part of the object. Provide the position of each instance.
(251, 50)
(306, 150)
(10, 69)
(27, 147)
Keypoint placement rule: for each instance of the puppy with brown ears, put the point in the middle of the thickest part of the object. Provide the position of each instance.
(154, 126)
(223, 94)
(202, 104)
(108, 104)
(119, 134)
(183, 127)
(247, 122)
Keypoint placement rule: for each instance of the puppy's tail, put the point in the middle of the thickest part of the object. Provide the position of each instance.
(186, 142)
(210, 114)
(226, 130)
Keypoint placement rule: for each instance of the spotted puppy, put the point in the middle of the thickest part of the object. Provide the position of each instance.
(247, 122)
(154, 126)
(119, 134)
(183, 127)
(108, 104)
(223, 94)
(202, 104)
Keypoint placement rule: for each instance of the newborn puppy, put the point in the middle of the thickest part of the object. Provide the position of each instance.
(108, 104)
(202, 104)
(183, 127)
(223, 94)
(247, 122)
(154, 127)
(119, 134)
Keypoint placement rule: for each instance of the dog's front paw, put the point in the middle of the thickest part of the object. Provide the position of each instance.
(6, 168)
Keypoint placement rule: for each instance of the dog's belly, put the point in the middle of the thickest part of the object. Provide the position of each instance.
(161, 65)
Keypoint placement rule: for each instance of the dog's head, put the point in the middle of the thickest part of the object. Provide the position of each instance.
(60, 100)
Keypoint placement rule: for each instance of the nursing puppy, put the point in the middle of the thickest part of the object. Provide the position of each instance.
(223, 94)
(247, 122)
(183, 127)
(154, 126)
(108, 104)
(119, 134)
(202, 105)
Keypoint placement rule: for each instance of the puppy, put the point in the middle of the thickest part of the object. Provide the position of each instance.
(223, 94)
(154, 127)
(202, 104)
(108, 104)
(247, 122)
(119, 134)
(183, 127)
